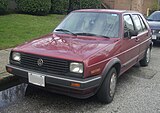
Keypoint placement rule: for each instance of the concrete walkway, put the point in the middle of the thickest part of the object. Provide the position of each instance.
(4, 59)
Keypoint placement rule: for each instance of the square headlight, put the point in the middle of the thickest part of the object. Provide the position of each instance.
(76, 67)
(16, 56)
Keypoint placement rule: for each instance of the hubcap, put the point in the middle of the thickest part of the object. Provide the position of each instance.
(148, 55)
(113, 84)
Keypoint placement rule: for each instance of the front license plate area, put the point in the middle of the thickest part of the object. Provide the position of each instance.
(154, 37)
(36, 79)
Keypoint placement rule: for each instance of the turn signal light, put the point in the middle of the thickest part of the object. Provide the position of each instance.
(75, 84)
(95, 71)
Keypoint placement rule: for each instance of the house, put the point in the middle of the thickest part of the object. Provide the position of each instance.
(138, 5)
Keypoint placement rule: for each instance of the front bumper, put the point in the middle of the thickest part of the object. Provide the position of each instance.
(156, 37)
(61, 84)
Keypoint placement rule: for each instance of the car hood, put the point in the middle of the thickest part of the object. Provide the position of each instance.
(76, 48)
(154, 24)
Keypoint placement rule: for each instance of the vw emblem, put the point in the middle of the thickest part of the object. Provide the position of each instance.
(40, 62)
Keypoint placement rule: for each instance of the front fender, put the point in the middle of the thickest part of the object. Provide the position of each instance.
(109, 65)
(113, 62)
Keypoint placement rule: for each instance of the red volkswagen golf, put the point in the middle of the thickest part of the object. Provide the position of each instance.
(85, 54)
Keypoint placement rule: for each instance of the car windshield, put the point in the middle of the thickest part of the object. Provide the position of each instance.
(154, 16)
(90, 24)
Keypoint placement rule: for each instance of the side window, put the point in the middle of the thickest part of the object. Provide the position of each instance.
(143, 24)
(137, 23)
(128, 23)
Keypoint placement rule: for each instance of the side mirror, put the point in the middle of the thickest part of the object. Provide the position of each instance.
(133, 33)
(130, 33)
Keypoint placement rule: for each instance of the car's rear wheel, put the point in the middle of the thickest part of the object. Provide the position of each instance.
(107, 90)
(145, 61)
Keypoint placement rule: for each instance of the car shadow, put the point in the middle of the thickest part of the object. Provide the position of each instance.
(156, 44)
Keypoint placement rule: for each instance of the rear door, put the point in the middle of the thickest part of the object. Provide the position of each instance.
(143, 34)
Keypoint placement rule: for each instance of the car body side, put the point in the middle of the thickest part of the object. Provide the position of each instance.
(120, 53)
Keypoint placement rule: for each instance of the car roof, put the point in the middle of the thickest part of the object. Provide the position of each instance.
(106, 10)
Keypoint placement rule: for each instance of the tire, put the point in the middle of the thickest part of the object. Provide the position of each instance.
(105, 94)
(145, 61)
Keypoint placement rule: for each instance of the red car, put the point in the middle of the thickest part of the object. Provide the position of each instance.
(85, 54)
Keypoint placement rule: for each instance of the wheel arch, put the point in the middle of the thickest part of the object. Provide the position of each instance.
(150, 44)
(115, 62)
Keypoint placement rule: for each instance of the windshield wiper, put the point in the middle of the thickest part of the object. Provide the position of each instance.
(66, 31)
(91, 34)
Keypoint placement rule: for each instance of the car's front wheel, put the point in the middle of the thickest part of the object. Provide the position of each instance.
(107, 90)
(145, 61)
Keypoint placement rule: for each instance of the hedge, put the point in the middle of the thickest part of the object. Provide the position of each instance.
(85, 4)
(59, 6)
(90, 4)
(3, 6)
(36, 7)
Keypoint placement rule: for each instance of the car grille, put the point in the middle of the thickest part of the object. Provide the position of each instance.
(155, 31)
(158, 38)
(50, 65)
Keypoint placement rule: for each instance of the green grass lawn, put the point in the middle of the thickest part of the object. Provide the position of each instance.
(18, 28)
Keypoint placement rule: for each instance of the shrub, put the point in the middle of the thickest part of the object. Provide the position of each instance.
(37, 7)
(85, 4)
(59, 6)
(75, 4)
(90, 4)
(3, 6)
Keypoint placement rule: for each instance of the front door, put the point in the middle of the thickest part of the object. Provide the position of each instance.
(130, 45)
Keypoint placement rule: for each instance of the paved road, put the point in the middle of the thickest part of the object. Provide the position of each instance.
(138, 91)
